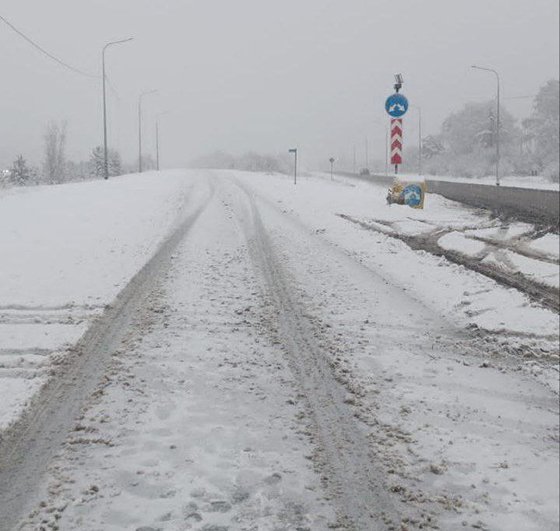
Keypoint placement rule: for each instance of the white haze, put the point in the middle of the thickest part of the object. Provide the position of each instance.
(262, 75)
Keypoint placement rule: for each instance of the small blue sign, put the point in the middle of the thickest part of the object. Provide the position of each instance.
(396, 105)
(413, 195)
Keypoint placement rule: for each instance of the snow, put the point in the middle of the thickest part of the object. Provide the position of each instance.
(549, 244)
(66, 251)
(26, 336)
(543, 272)
(457, 241)
(201, 421)
(511, 230)
(466, 297)
(78, 244)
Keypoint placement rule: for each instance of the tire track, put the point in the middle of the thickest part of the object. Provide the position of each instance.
(542, 294)
(27, 447)
(348, 465)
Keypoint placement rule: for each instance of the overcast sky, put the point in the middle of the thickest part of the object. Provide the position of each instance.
(262, 75)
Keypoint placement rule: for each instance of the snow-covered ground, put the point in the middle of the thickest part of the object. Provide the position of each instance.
(465, 297)
(66, 251)
(298, 366)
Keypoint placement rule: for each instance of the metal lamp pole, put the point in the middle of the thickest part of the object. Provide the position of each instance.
(140, 127)
(331, 160)
(157, 137)
(498, 124)
(105, 149)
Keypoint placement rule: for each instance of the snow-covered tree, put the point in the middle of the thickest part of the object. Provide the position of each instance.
(473, 128)
(20, 173)
(54, 166)
(97, 162)
(432, 146)
(466, 145)
(542, 129)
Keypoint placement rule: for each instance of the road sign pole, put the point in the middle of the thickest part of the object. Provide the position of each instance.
(396, 142)
(396, 106)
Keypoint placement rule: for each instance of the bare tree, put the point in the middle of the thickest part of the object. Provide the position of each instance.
(54, 168)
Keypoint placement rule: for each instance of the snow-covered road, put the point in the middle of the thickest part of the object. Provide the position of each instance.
(281, 368)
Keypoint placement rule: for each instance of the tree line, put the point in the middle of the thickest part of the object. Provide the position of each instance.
(466, 143)
(57, 169)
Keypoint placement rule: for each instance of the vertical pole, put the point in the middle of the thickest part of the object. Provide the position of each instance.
(332, 178)
(295, 167)
(419, 141)
(157, 145)
(105, 154)
(386, 151)
(498, 125)
(140, 134)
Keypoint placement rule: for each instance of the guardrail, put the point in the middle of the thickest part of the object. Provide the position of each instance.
(525, 204)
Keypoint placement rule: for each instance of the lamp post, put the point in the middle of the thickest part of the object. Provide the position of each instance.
(498, 124)
(157, 137)
(105, 149)
(140, 127)
(294, 151)
(331, 160)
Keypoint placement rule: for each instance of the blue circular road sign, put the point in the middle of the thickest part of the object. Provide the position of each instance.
(396, 105)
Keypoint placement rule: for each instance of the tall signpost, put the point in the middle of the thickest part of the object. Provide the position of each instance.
(396, 106)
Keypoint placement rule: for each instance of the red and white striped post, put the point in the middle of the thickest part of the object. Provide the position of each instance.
(396, 142)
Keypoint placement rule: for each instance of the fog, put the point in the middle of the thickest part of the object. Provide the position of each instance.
(261, 75)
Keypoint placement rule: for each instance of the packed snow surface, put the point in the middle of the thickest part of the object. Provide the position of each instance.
(280, 335)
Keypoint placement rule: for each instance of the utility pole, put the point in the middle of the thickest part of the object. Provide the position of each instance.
(498, 124)
(294, 151)
(157, 137)
(386, 151)
(140, 127)
(420, 141)
(105, 146)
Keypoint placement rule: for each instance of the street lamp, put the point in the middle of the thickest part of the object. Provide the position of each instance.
(105, 155)
(157, 137)
(331, 160)
(140, 127)
(498, 125)
(294, 151)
